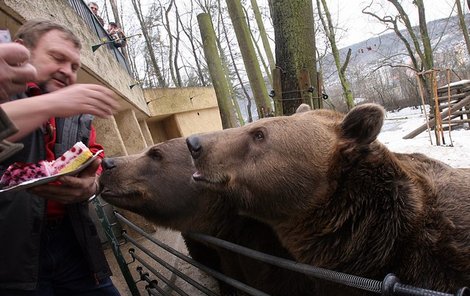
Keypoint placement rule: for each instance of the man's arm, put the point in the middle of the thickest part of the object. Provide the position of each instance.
(30, 113)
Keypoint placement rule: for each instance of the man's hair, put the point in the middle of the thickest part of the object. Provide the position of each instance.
(92, 3)
(33, 30)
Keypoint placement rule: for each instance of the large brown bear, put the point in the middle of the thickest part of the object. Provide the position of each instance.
(339, 199)
(157, 185)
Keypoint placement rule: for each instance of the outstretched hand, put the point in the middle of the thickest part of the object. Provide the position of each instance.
(83, 99)
(72, 189)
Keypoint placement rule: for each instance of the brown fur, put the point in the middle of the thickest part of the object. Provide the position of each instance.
(157, 185)
(339, 199)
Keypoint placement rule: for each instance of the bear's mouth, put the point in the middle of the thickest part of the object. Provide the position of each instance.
(214, 179)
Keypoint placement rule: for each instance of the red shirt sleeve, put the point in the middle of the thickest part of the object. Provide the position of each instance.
(94, 147)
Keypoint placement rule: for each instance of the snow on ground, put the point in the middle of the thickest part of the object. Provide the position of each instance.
(398, 124)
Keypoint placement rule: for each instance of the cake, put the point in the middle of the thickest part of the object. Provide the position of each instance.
(72, 158)
(20, 172)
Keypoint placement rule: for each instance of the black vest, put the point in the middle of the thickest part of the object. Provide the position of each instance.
(22, 214)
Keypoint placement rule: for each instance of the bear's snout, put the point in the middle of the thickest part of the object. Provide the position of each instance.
(108, 163)
(194, 146)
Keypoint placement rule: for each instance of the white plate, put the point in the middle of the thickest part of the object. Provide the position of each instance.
(45, 180)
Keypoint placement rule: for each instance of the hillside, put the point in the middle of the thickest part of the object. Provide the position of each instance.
(445, 36)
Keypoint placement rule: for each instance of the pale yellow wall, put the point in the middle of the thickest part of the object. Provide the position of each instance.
(200, 121)
(157, 131)
(192, 109)
(165, 101)
(108, 135)
(130, 131)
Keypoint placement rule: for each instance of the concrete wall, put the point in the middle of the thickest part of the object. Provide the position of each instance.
(182, 111)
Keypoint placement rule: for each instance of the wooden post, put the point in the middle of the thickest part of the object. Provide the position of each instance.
(432, 122)
(277, 86)
(319, 92)
(305, 85)
(421, 94)
(438, 130)
(449, 104)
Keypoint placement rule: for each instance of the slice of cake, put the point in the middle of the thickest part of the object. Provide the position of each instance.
(20, 172)
(72, 158)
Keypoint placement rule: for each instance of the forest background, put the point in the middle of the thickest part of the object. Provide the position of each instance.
(377, 55)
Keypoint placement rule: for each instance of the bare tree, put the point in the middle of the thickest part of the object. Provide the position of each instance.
(188, 31)
(237, 73)
(294, 31)
(421, 55)
(148, 41)
(219, 80)
(171, 39)
(250, 60)
(341, 68)
(463, 25)
(263, 35)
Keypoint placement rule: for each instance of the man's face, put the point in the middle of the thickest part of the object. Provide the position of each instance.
(57, 61)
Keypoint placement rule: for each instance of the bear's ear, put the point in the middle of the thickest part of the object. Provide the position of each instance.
(363, 123)
(303, 108)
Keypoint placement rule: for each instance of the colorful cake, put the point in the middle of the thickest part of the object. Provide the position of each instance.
(72, 158)
(20, 172)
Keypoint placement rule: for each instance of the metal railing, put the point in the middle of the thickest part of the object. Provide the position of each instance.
(85, 13)
(390, 286)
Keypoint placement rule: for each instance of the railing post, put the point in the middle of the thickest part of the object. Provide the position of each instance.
(114, 243)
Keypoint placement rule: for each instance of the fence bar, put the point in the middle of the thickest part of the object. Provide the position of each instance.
(239, 285)
(164, 264)
(114, 243)
(333, 276)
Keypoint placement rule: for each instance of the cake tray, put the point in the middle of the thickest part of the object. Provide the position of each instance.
(48, 179)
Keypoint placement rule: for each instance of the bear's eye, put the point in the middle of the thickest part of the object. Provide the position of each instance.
(155, 154)
(258, 136)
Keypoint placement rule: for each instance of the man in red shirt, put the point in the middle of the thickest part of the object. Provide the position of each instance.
(51, 246)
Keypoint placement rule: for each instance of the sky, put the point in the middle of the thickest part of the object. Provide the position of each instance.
(399, 124)
(357, 26)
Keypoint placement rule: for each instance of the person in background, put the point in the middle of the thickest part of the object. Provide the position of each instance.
(94, 8)
(50, 245)
(117, 35)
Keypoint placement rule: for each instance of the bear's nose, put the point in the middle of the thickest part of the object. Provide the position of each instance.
(194, 146)
(108, 163)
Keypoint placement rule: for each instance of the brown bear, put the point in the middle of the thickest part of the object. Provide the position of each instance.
(339, 199)
(157, 185)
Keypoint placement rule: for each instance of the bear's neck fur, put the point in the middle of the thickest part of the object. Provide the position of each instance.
(359, 225)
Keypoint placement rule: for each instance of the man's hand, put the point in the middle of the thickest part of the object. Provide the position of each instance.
(15, 71)
(72, 189)
(82, 99)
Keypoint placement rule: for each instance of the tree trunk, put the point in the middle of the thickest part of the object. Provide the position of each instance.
(170, 41)
(216, 70)
(115, 10)
(148, 42)
(423, 28)
(330, 33)
(189, 33)
(264, 36)
(463, 25)
(258, 49)
(237, 73)
(250, 60)
(295, 50)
